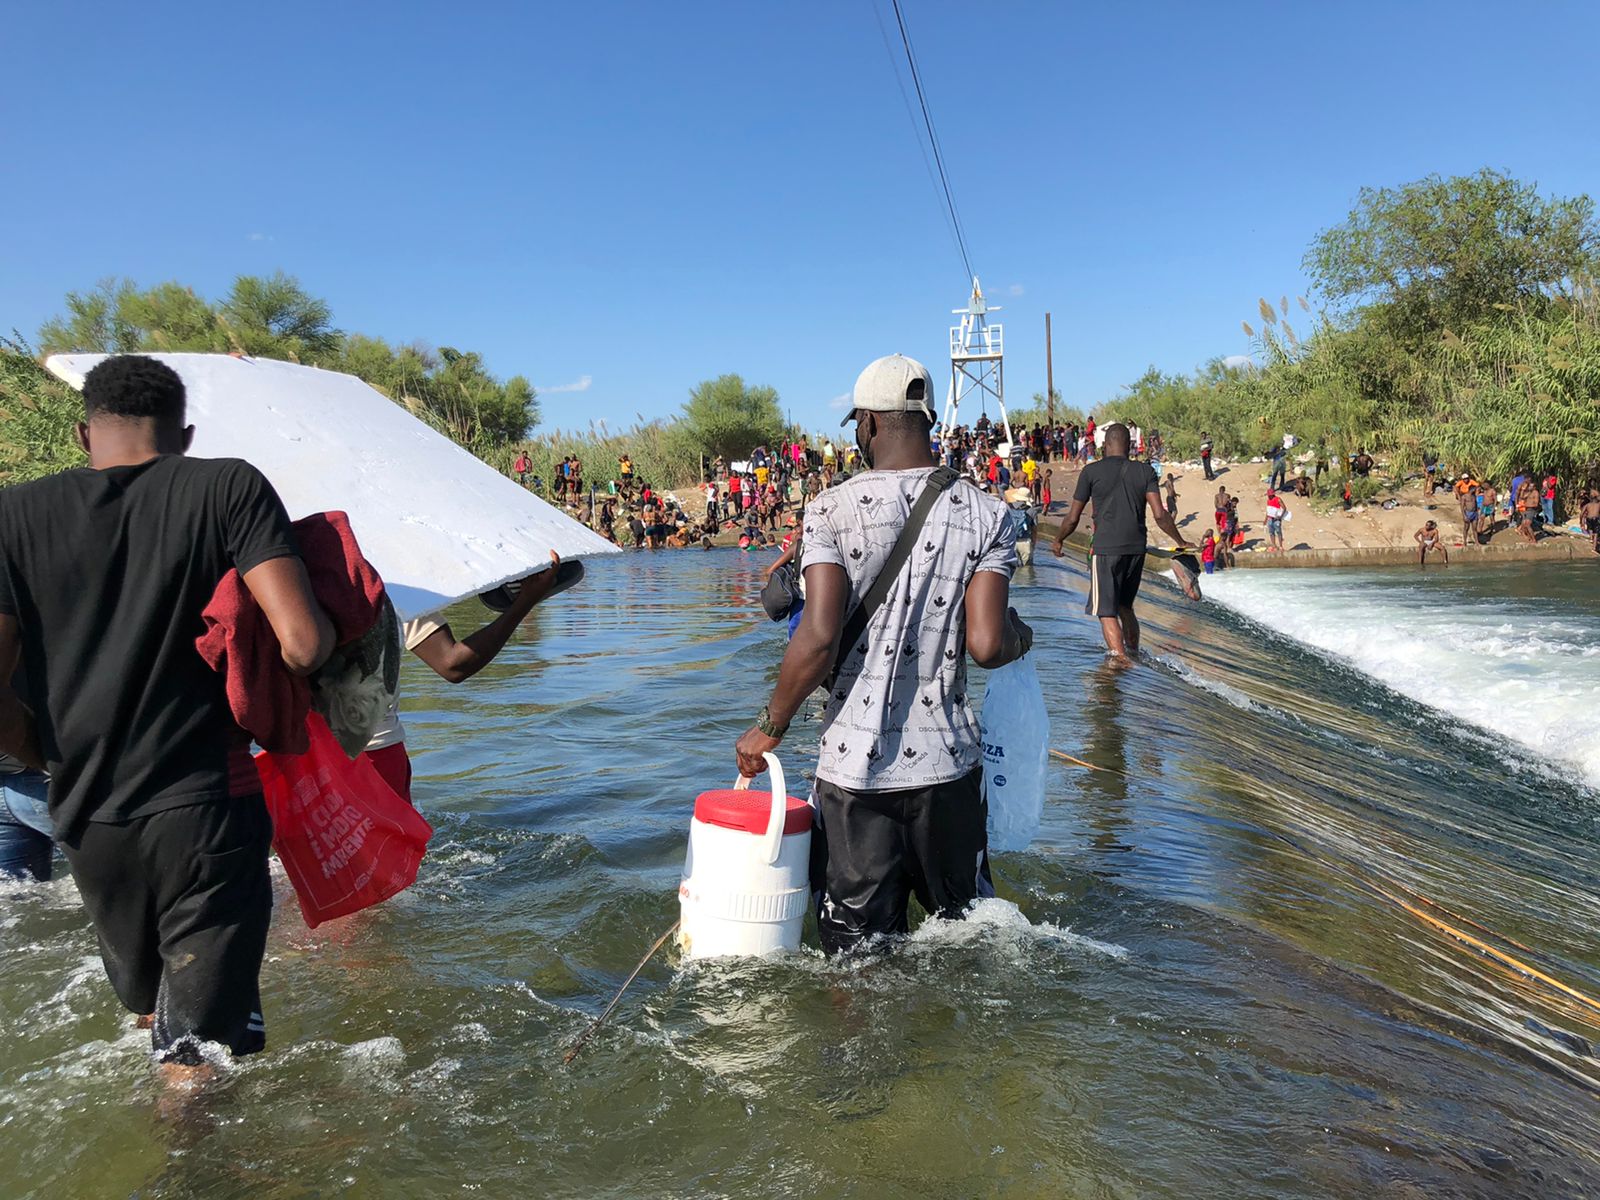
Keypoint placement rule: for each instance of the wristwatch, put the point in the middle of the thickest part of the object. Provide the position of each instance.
(764, 723)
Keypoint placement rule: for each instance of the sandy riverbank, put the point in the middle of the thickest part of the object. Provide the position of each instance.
(1367, 535)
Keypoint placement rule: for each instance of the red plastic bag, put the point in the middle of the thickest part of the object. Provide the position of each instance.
(344, 837)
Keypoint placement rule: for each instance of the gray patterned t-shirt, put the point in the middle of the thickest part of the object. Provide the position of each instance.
(899, 716)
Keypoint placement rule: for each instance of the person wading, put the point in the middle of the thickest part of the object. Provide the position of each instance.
(899, 779)
(1120, 488)
(104, 572)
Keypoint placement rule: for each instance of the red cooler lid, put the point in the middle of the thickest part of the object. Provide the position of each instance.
(749, 811)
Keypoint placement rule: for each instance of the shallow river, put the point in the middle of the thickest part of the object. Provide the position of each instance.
(1301, 935)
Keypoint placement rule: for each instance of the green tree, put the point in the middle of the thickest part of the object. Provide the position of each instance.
(726, 417)
(274, 317)
(94, 323)
(173, 318)
(1038, 412)
(266, 317)
(1444, 253)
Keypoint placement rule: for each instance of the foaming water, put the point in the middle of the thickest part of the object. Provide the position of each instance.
(1295, 934)
(1525, 666)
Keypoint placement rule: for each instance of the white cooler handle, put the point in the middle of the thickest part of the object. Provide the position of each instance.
(780, 805)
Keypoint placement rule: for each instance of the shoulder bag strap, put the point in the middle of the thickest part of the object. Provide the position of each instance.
(938, 483)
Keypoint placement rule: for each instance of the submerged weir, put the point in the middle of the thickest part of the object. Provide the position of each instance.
(1321, 923)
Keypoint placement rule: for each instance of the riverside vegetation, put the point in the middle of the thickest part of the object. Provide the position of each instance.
(1458, 317)
(274, 317)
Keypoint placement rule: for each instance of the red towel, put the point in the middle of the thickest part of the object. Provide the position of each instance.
(268, 701)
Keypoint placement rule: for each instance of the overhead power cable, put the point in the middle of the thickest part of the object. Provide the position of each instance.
(916, 127)
(933, 140)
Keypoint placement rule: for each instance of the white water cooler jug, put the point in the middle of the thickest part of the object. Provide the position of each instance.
(746, 882)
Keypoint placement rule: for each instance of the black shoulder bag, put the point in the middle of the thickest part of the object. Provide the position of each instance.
(939, 482)
(781, 592)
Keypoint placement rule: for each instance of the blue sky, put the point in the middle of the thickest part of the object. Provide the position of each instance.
(618, 200)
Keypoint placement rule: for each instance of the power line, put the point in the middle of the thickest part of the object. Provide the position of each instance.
(916, 131)
(933, 140)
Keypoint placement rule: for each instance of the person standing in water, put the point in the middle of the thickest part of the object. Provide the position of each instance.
(899, 778)
(1121, 489)
(104, 572)
(26, 845)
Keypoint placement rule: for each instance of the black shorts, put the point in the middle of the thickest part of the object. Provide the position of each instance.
(875, 850)
(1113, 583)
(181, 901)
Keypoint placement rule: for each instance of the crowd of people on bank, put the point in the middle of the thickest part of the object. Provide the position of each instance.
(1528, 505)
(758, 500)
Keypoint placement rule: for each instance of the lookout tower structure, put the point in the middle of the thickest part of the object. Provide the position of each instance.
(977, 363)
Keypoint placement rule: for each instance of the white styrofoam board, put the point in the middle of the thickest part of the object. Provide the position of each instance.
(439, 524)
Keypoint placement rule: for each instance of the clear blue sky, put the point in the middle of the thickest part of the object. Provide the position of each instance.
(644, 195)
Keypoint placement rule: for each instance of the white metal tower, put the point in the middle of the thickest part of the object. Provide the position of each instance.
(977, 362)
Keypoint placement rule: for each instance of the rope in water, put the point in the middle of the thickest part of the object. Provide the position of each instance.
(1466, 939)
(594, 1026)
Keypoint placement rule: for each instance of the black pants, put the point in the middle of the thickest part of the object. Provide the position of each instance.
(877, 849)
(1205, 462)
(181, 901)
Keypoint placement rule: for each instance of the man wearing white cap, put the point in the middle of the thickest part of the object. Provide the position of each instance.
(907, 572)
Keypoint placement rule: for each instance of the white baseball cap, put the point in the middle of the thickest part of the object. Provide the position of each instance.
(894, 383)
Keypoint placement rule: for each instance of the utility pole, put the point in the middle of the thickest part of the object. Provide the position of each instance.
(1049, 376)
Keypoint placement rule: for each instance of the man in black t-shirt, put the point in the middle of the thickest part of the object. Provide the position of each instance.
(1121, 489)
(104, 572)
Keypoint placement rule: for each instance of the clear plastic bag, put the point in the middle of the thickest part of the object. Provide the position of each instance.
(1016, 748)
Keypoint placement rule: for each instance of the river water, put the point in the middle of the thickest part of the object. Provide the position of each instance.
(1322, 924)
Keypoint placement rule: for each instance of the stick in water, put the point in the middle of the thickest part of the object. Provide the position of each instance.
(594, 1026)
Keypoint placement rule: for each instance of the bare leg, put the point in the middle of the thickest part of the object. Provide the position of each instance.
(1111, 630)
(1130, 630)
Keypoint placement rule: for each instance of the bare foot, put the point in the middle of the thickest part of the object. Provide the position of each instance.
(181, 1077)
(145, 1022)
(184, 1100)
